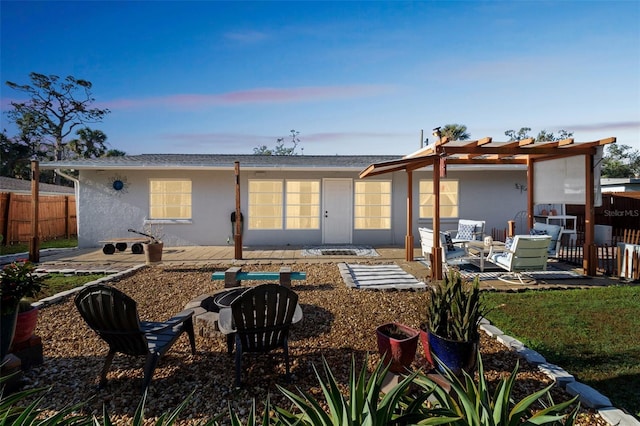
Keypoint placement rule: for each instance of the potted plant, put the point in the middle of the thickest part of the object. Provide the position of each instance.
(397, 344)
(153, 248)
(17, 281)
(453, 315)
(26, 321)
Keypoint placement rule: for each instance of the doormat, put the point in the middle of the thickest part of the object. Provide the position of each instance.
(331, 252)
(341, 250)
(379, 277)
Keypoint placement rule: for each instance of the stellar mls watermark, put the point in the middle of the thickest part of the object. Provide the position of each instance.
(622, 213)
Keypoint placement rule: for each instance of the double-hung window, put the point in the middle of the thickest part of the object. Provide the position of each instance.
(265, 204)
(284, 204)
(170, 199)
(303, 204)
(372, 209)
(449, 199)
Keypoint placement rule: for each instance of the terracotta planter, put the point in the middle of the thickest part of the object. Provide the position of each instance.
(457, 356)
(424, 339)
(25, 325)
(153, 253)
(397, 344)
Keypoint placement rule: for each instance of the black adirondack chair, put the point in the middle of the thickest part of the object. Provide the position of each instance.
(114, 316)
(260, 319)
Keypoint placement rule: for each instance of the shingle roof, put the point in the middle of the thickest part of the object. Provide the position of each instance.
(222, 161)
(8, 184)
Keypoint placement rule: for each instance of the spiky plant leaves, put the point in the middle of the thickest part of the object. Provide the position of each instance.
(365, 404)
(476, 406)
(13, 413)
(252, 420)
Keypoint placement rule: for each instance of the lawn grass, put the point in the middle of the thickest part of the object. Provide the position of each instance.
(594, 334)
(23, 248)
(55, 283)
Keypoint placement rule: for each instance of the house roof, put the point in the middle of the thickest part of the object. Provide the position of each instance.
(222, 162)
(8, 184)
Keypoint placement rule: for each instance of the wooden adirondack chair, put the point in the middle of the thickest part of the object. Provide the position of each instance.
(260, 319)
(114, 316)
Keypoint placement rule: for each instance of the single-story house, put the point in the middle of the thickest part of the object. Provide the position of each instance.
(296, 200)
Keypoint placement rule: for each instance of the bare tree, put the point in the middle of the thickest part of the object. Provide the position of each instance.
(57, 107)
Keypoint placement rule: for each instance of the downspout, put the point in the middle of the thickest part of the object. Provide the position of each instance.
(76, 193)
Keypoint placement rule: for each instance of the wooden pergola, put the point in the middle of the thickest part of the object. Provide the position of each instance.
(486, 151)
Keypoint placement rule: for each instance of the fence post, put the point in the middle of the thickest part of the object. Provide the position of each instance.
(6, 216)
(34, 244)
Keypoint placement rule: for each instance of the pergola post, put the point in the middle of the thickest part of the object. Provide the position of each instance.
(590, 259)
(237, 237)
(408, 239)
(436, 250)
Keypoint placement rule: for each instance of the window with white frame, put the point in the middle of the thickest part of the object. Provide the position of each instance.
(449, 198)
(265, 204)
(303, 204)
(170, 199)
(372, 205)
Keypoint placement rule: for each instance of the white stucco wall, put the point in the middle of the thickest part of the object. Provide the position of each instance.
(105, 213)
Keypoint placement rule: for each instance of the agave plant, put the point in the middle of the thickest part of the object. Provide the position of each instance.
(455, 310)
(471, 404)
(366, 403)
(15, 410)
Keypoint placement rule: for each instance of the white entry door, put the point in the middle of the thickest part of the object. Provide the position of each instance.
(337, 211)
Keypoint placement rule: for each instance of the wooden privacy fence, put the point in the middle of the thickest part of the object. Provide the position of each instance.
(612, 259)
(57, 217)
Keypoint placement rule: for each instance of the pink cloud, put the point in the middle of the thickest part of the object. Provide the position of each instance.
(615, 125)
(256, 96)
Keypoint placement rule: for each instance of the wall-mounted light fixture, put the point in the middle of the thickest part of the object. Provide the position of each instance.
(522, 187)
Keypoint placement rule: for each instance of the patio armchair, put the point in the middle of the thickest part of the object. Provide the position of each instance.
(450, 251)
(114, 317)
(527, 253)
(258, 321)
(468, 230)
(553, 231)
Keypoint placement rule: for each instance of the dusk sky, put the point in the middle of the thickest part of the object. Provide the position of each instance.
(351, 77)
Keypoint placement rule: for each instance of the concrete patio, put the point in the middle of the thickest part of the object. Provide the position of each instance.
(193, 256)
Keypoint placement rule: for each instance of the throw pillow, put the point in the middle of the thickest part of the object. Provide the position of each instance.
(466, 232)
(449, 242)
(537, 232)
(508, 242)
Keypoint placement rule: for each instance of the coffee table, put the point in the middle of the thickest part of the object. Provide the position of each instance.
(484, 251)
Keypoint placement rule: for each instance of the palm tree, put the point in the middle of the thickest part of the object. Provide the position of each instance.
(455, 132)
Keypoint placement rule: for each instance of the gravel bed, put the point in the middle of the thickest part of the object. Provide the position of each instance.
(339, 323)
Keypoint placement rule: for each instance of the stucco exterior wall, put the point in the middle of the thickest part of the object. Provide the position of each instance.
(105, 213)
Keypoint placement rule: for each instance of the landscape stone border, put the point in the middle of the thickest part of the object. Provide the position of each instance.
(112, 275)
(588, 396)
